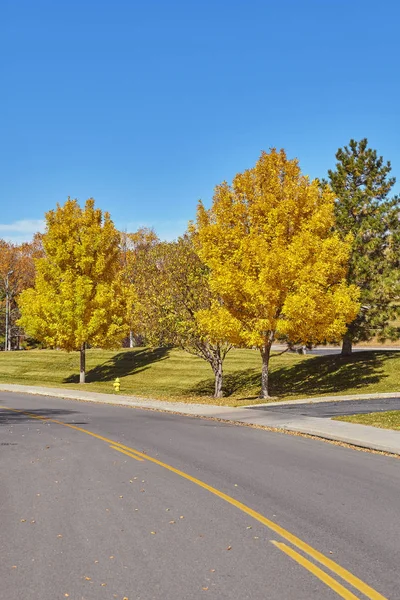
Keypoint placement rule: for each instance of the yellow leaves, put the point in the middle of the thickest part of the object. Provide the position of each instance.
(80, 294)
(274, 262)
(217, 323)
(315, 313)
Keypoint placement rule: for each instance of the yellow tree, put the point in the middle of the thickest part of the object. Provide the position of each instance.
(17, 272)
(136, 249)
(273, 258)
(173, 293)
(80, 295)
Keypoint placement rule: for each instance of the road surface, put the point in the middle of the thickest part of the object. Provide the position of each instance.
(103, 502)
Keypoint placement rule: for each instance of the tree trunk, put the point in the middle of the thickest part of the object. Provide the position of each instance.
(347, 345)
(218, 374)
(130, 338)
(82, 372)
(7, 331)
(265, 354)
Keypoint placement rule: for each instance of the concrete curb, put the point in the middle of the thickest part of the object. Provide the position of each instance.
(364, 436)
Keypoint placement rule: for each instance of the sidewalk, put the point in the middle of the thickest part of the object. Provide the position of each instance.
(358, 435)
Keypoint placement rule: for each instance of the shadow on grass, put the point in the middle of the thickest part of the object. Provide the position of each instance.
(122, 364)
(8, 417)
(330, 374)
(313, 376)
(237, 382)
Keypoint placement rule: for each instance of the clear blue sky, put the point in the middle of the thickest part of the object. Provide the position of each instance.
(147, 105)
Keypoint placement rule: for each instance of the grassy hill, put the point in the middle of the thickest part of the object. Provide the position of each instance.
(174, 374)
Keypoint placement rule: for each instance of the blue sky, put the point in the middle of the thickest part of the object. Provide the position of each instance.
(147, 105)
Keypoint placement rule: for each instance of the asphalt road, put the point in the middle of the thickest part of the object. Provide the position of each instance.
(327, 410)
(192, 511)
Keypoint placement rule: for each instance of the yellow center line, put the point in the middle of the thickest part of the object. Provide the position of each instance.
(127, 453)
(324, 577)
(357, 583)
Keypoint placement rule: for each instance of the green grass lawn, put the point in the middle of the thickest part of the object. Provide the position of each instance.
(385, 420)
(174, 374)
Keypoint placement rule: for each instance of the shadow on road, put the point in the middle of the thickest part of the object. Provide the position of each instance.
(122, 364)
(316, 375)
(8, 417)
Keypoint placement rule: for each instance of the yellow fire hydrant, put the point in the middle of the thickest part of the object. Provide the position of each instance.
(116, 385)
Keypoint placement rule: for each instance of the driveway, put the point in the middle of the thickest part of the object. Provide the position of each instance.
(327, 410)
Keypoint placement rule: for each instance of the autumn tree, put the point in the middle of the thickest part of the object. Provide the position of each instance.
(175, 292)
(274, 261)
(136, 248)
(17, 272)
(79, 296)
(361, 183)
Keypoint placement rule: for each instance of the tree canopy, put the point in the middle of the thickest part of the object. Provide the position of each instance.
(173, 292)
(79, 296)
(274, 261)
(361, 183)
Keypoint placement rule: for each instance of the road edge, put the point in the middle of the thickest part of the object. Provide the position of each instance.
(308, 427)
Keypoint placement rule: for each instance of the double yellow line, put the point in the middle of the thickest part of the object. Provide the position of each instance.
(317, 556)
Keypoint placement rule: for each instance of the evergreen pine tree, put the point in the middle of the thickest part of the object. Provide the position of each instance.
(361, 183)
